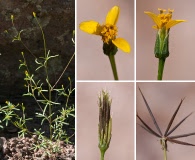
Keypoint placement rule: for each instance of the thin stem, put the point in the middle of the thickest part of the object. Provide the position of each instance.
(163, 142)
(47, 77)
(161, 68)
(63, 72)
(28, 49)
(165, 153)
(50, 118)
(43, 36)
(113, 65)
(102, 155)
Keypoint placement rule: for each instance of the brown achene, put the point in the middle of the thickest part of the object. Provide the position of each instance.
(166, 136)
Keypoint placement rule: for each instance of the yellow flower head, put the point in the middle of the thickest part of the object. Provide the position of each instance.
(163, 20)
(107, 31)
(26, 73)
(163, 23)
(34, 14)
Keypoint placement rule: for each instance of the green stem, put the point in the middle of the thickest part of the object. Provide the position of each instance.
(161, 68)
(113, 65)
(102, 155)
(47, 77)
(165, 153)
(50, 118)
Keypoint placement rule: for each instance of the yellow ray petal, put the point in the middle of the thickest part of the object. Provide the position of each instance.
(91, 27)
(112, 16)
(155, 18)
(122, 44)
(172, 23)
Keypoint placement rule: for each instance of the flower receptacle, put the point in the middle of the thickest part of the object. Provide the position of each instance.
(109, 49)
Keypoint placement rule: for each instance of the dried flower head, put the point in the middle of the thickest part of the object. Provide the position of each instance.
(105, 121)
(166, 136)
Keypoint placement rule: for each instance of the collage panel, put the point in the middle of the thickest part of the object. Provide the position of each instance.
(165, 129)
(37, 80)
(105, 40)
(165, 48)
(89, 122)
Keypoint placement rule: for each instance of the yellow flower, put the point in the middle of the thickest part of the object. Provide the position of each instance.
(26, 73)
(163, 23)
(34, 14)
(107, 31)
(163, 20)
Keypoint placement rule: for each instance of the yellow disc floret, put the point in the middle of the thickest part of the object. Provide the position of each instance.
(164, 17)
(163, 21)
(108, 32)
